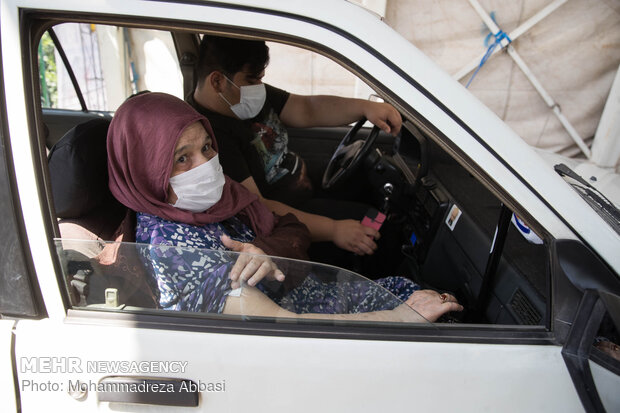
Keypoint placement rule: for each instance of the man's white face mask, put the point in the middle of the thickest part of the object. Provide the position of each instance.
(199, 188)
(251, 102)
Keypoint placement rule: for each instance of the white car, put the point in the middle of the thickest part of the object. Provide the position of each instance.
(542, 294)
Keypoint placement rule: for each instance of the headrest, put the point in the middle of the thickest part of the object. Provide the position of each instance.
(78, 165)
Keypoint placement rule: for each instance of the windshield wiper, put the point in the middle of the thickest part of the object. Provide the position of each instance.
(593, 196)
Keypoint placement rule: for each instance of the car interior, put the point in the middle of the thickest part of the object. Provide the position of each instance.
(449, 230)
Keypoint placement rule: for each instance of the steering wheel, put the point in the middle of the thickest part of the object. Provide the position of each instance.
(347, 156)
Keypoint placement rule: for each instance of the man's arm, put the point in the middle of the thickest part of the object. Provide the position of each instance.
(322, 110)
(347, 234)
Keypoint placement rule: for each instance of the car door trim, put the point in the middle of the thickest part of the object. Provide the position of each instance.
(23, 246)
(261, 326)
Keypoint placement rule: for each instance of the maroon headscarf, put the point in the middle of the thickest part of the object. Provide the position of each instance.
(141, 141)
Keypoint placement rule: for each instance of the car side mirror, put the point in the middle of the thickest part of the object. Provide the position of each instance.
(592, 351)
(575, 269)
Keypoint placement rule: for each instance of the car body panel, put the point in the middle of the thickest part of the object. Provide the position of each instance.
(7, 378)
(283, 373)
(607, 384)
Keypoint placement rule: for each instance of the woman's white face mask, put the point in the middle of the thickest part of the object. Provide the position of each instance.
(199, 188)
(251, 102)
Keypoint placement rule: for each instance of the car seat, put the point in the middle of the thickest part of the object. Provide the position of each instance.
(88, 215)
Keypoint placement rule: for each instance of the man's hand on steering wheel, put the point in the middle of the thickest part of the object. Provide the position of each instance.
(348, 155)
(351, 235)
(383, 115)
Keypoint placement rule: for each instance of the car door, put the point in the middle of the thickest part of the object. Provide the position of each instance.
(261, 364)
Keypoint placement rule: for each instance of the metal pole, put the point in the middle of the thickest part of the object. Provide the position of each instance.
(513, 36)
(533, 80)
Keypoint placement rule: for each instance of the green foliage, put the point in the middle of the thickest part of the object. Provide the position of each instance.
(47, 72)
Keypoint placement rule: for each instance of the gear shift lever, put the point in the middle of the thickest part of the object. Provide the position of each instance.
(388, 189)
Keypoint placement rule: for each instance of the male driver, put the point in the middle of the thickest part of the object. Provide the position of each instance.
(249, 119)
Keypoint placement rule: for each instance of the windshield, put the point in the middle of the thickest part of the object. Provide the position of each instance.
(142, 277)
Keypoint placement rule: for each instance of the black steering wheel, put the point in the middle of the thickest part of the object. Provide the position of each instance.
(347, 156)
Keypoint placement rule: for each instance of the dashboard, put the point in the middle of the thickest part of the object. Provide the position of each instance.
(420, 187)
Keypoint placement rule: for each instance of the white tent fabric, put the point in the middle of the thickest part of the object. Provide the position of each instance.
(606, 146)
(574, 52)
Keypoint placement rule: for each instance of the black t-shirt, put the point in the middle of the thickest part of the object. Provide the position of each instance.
(258, 147)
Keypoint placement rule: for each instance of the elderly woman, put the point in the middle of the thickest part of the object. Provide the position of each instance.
(163, 164)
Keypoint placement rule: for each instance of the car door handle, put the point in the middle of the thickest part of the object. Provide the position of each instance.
(148, 390)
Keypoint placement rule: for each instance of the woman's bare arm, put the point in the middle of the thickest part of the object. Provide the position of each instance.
(253, 302)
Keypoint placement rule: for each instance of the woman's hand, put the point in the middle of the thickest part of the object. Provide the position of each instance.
(250, 268)
(352, 236)
(431, 305)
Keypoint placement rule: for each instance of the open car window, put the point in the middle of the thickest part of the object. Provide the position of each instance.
(145, 278)
(445, 218)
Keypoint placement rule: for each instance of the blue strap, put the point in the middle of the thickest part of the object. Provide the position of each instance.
(499, 36)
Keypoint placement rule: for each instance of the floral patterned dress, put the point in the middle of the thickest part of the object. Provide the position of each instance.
(188, 279)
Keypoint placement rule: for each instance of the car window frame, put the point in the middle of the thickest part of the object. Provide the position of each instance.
(12, 207)
(67, 65)
(450, 333)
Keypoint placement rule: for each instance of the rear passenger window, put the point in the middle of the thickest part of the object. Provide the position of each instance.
(107, 63)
